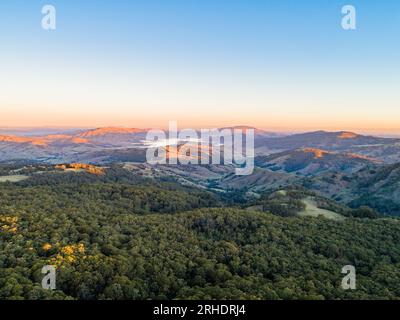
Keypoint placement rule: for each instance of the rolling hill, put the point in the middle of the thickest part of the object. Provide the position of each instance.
(312, 161)
(81, 145)
(341, 141)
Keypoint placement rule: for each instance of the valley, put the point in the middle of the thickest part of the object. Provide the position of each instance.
(117, 227)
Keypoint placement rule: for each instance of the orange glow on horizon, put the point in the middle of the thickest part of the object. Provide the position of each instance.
(279, 118)
(67, 118)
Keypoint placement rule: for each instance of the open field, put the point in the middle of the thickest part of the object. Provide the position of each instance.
(313, 211)
(14, 178)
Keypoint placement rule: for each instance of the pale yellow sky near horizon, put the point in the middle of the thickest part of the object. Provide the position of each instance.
(65, 95)
(66, 118)
(97, 98)
(30, 122)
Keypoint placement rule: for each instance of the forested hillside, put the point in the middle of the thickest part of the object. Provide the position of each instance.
(112, 238)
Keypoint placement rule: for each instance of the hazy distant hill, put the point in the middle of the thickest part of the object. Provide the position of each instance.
(341, 140)
(114, 136)
(311, 161)
(124, 144)
(258, 133)
(77, 146)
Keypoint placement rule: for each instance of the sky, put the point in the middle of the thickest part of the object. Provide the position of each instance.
(276, 65)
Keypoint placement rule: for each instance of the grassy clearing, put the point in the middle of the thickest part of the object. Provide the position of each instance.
(313, 211)
(14, 178)
(282, 192)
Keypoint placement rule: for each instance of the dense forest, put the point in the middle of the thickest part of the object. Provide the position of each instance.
(119, 237)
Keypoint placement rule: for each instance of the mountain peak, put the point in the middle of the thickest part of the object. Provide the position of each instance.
(347, 135)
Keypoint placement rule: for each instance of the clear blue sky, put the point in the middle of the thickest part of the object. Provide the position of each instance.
(273, 64)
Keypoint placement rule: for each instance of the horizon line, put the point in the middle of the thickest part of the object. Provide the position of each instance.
(362, 131)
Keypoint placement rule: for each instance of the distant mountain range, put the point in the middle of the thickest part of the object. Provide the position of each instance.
(347, 167)
(341, 140)
(81, 146)
(110, 144)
